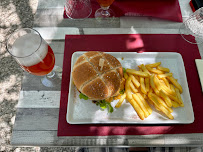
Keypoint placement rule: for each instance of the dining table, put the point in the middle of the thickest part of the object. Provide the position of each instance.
(38, 108)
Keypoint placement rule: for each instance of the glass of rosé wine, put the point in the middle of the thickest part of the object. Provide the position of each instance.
(104, 11)
(33, 54)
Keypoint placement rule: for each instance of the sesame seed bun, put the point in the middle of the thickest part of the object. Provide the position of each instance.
(94, 80)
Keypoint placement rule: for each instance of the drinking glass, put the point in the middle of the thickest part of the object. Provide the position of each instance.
(33, 54)
(78, 9)
(193, 26)
(104, 11)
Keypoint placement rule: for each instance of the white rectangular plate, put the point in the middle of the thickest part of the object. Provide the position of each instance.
(82, 111)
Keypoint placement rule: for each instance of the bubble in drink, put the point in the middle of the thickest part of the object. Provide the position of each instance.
(34, 54)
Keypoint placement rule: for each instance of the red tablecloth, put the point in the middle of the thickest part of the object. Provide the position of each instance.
(163, 9)
(132, 43)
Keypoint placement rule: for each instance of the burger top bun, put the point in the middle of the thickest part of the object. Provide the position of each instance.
(97, 75)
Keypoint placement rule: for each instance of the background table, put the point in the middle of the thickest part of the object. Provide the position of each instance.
(50, 14)
(36, 120)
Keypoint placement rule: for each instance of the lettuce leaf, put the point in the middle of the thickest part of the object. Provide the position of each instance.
(124, 70)
(110, 108)
(103, 104)
(122, 91)
(82, 96)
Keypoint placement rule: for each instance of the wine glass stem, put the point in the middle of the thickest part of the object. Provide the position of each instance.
(51, 74)
(51, 80)
(105, 11)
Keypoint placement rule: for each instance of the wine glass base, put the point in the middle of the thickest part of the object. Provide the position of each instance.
(102, 14)
(81, 16)
(51, 80)
(50, 83)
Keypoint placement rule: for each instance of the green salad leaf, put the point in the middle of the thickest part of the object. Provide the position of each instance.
(124, 70)
(103, 104)
(82, 96)
(122, 91)
(110, 108)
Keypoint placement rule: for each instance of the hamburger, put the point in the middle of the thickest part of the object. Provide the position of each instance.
(98, 76)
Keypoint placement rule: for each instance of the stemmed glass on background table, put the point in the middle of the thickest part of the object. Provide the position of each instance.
(81, 9)
(193, 26)
(104, 11)
(33, 54)
(78, 9)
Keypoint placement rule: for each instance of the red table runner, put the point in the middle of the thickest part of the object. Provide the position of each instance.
(163, 9)
(132, 43)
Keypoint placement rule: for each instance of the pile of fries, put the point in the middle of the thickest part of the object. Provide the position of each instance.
(151, 85)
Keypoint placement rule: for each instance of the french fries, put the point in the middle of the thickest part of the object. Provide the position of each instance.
(163, 69)
(137, 109)
(179, 97)
(168, 90)
(153, 65)
(109, 99)
(132, 87)
(151, 85)
(138, 73)
(152, 81)
(165, 98)
(144, 68)
(175, 83)
(125, 75)
(175, 104)
(154, 70)
(127, 89)
(162, 103)
(121, 100)
(166, 82)
(135, 81)
(147, 85)
(141, 105)
(160, 107)
(172, 87)
(160, 76)
(149, 109)
(142, 85)
(157, 83)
